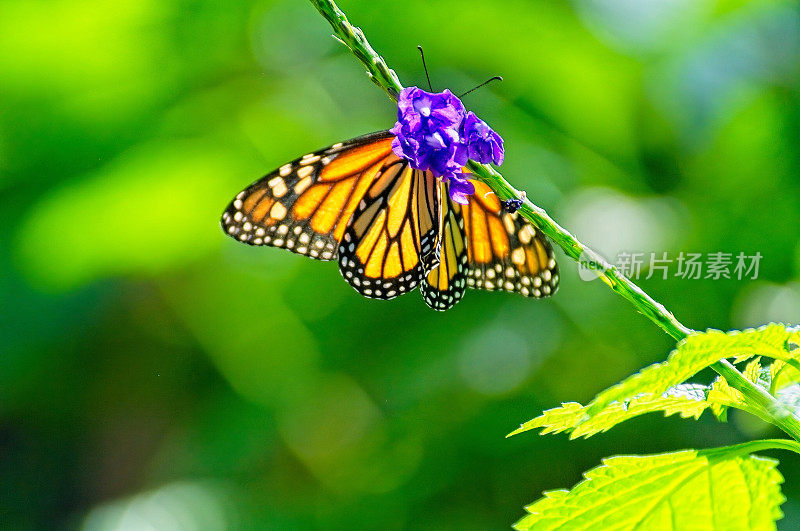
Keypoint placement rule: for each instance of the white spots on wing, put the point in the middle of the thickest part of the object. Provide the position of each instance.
(518, 256)
(285, 170)
(302, 185)
(508, 222)
(305, 171)
(278, 211)
(279, 189)
(526, 234)
(311, 158)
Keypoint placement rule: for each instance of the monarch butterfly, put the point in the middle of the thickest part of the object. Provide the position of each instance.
(392, 227)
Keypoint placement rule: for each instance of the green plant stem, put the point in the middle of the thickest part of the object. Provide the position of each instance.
(354, 39)
(383, 76)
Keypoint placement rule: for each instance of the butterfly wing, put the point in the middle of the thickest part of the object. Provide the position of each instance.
(483, 247)
(390, 243)
(505, 251)
(306, 205)
(444, 285)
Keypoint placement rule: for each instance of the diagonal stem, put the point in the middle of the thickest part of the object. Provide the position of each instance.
(383, 76)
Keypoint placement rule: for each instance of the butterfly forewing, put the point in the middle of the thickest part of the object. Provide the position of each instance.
(306, 205)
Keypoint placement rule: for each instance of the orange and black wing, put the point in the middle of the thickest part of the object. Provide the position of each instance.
(483, 247)
(505, 251)
(391, 241)
(444, 286)
(306, 205)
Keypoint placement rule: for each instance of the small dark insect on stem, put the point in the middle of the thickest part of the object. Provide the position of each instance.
(495, 78)
(512, 205)
(425, 67)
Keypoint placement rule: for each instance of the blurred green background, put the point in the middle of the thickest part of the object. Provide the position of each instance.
(155, 372)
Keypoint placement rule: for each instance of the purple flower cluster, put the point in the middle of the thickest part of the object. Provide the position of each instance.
(435, 132)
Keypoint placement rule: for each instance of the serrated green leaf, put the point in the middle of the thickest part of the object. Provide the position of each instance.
(752, 370)
(722, 397)
(697, 352)
(687, 400)
(709, 489)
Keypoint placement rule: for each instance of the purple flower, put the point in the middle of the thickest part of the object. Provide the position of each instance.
(484, 144)
(434, 132)
(427, 131)
(460, 188)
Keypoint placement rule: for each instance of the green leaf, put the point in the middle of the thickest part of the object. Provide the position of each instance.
(691, 489)
(697, 352)
(722, 397)
(688, 400)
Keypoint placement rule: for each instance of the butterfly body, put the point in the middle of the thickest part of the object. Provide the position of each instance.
(391, 227)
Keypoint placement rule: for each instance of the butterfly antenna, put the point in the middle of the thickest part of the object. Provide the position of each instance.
(495, 78)
(425, 67)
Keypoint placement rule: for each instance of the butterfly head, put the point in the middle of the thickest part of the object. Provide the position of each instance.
(435, 132)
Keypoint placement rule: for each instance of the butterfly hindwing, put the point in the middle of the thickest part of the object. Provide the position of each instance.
(306, 205)
(505, 251)
(444, 285)
(484, 247)
(391, 239)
